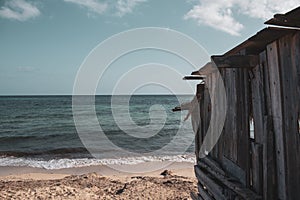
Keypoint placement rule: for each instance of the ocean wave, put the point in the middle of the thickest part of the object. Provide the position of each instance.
(59, 151)
(85, 162)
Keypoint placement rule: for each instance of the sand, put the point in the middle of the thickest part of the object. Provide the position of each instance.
(98, 182)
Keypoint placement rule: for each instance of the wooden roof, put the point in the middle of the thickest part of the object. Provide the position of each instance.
(257, 43)
(290, 19)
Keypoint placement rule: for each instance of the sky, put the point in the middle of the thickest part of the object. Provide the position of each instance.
(44, 42)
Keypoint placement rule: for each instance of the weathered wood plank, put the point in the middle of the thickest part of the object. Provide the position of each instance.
(290, 115)
(236, 61)
(276, 98)
(229, 182)
(195, 196)
(205, 70)
(230, 138)
(210, 184)
(257, 167)
(269, 161)
(269, 151)
(212, 164)
(203, 193)
(234, 170)
(243, 126)
(258, 102)
(266, 83)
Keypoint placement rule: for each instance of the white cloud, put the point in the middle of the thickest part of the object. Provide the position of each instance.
(20, 10)
(92, 5)
(265, 9)
(219, 13)
(120, 7)
(126, 6)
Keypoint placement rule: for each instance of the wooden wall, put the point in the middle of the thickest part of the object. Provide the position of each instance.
(268, 165)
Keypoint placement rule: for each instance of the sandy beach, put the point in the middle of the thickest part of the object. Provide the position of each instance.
(98, 182)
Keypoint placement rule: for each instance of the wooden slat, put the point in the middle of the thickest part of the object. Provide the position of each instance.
(267, 136)
(269, 161)
(210, 184)
(276, 98)
(230, 132)
(229, 182)
(212, 164)
(195, 196)
(257, 167)
(290, 104)
(234, 170)
(203, 193)
(243, 146)
(235, 61)
(258, 102)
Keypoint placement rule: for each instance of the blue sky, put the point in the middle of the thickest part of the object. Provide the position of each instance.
(43, 43)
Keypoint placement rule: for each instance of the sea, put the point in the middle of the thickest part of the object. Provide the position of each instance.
(39, 131)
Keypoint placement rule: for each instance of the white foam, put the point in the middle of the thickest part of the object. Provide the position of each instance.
(84, 162)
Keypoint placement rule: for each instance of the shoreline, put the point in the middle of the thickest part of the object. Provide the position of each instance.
(96, 182)
(143, 169)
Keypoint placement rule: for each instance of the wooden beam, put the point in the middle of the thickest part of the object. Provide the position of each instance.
(203, 193)
(282, 20)
(228, 182)
(194, 77)
(207, 69)
(210, 184)
(236, 61)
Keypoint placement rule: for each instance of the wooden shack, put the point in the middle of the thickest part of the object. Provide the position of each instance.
(258, 153)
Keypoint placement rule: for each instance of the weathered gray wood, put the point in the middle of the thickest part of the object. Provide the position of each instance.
(269, 150)
(269, 161)
(268, 91)
(290, 116)
(195, 196)
(266, 83)
(230, 132)
(283, 20)
(243, 153)
(209, 183)
(276, 98)
(205, 70)
(258, 102)
(234, 170)
(213, 165)
(203, 193)
(236, 61)
(257, 167)
(229, 182)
